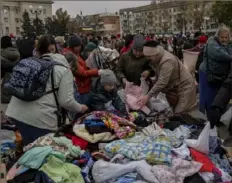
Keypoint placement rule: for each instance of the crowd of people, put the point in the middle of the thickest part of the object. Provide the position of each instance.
(48, 82)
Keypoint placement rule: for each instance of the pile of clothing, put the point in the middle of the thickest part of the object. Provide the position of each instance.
(102, 147)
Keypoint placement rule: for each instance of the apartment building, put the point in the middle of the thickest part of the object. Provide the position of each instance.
(11, 12)
(102, 24)
(168, 17)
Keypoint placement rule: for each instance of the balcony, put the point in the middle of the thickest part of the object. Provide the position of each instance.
(150, 15)
(100, 23)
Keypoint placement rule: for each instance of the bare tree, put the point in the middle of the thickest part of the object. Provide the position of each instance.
(197, 11)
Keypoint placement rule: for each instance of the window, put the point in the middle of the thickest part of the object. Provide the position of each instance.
(190, 21)
(6, 20)
(16, 20)
(17, 11)
(44, 11)
(17, 30)
(6, 9)
(174, 10)
(7, 30)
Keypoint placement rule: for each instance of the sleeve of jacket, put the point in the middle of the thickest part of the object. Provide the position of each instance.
(119, 104)
(165, 73)
(120, 68)
(66, 93)
(224, 95)
(81, 71)
(217, 53)
(95, 102)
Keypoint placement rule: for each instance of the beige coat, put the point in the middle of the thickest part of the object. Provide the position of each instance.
(170, 73)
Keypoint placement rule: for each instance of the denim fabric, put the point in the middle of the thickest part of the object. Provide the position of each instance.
(29, 133)
(207, 93)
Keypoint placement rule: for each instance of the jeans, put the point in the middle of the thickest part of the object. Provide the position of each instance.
(29, 133)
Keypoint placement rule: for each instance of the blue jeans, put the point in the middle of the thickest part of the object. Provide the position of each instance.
(29, 133)
(207, 92)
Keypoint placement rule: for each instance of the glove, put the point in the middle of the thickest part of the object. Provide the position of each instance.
(214, 117)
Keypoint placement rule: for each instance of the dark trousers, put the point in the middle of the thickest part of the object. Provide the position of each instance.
(29, 133)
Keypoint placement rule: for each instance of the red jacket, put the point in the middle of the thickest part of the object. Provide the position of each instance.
(84, 74)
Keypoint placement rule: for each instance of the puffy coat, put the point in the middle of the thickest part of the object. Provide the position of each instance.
(84, 75)
(9, 58)
(219, 57)
(99, 98)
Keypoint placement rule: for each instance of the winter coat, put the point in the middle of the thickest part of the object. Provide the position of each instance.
(100, 99)
(84, 74)
(225, 94)
(41, 113)
(219, 58)
(9, 58)
(131, 68)
(171, 75)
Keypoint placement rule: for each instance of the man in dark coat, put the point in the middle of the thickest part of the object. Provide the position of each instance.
(133, 65)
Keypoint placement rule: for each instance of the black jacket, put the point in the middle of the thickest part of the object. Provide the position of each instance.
(99, 98)
(9, 58)
(224, 95)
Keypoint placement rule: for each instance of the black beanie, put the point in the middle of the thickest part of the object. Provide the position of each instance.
(74, 41)
(6, 42)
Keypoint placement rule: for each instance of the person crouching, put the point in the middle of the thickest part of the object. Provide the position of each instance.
(104, 96)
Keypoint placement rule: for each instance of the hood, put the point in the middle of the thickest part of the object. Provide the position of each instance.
(58, 58)
(11, 54)
(9, 57)
(99, 89)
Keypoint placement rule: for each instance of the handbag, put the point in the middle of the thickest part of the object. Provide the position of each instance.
(213, 78)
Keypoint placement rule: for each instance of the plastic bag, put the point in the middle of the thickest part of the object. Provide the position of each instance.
(144, 86)
(170, 49)
(133, 93)
(227, 117)
(202, 143)
(159, 103)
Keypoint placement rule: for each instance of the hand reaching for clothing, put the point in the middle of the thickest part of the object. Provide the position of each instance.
(145, 74)
(214, 117)
(124, 81)
(84, 108)
(143, 100)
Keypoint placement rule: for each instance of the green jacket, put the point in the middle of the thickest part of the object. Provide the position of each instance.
(131, 68)
(219, 57)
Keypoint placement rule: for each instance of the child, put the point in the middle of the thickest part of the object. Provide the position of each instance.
(104, 96)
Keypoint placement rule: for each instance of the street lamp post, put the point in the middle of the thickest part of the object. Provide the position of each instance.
(36, 12)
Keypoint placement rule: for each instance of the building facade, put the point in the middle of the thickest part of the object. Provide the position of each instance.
(168, 17)
(102, 24)
(12, 11)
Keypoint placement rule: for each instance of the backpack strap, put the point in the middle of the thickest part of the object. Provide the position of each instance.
(61, 113)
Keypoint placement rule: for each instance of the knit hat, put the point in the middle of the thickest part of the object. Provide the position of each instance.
(108, 77)
(90, 46)
(203, 39)
(74, 41)
(138, 42)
